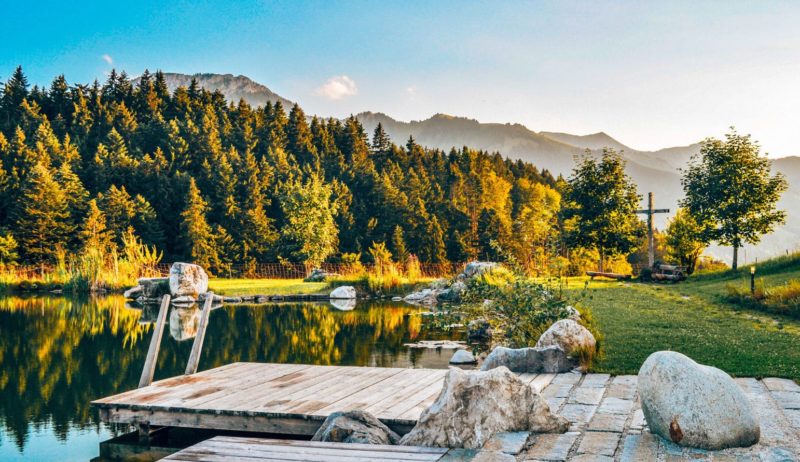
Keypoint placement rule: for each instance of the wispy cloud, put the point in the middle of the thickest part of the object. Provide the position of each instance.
(107, 58)
(338, 87)
(412, 90)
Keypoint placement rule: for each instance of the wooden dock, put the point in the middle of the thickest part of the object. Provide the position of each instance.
(289, 399)
(225, 448)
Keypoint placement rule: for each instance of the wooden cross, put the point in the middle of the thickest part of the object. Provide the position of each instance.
(650, 211)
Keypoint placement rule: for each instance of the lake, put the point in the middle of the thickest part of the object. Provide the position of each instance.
(59, 353)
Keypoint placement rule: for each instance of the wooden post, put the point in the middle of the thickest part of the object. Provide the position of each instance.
(651, 243)
(155, 343)
(197, 347)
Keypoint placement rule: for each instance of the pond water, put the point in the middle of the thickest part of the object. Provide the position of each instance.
(57, 354)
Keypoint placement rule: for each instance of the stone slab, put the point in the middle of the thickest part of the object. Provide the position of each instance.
(787, 399)
(615, 406)
(638, 448)
(607, 422)
(595, 380)
(585, 395)
(551, 447)
(777, 384)
(508, 442)
(578, 414)
(600, 443)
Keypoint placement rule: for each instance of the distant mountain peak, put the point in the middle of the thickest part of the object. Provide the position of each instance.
(234, 87)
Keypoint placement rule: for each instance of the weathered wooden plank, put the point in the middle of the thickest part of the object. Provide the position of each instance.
(155, 344)
(384, 406)
(197, 346)
(253, 449)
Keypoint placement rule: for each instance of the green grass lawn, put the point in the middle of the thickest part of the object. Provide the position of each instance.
(265, 286)
(695, 319)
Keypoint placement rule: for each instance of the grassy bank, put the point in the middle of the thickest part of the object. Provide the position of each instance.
(265, 286)
(695, 318)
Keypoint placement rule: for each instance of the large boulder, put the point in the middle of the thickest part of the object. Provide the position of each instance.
(463, 357)
(425, 297)
(476, 268)
(452, 293)
(473, 406)
(355, 427)
(549, 360)
(343, 304)
(187, 279)
(344, 293)
(694, 405)
(569, 335)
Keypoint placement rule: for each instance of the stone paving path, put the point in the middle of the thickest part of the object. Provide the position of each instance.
(608, 425)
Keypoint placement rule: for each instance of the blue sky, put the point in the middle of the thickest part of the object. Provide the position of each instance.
(651, 74)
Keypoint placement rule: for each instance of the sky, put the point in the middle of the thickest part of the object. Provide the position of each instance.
(650, 74)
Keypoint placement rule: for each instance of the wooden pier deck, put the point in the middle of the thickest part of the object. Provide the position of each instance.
(281, 398)
(225, 448)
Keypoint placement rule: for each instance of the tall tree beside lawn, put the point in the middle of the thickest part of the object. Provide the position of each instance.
(731, 192)
(600, 205)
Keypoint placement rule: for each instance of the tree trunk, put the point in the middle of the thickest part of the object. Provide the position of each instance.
(600, 261)
(735, 257)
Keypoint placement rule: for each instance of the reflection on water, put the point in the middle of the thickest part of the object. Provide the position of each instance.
(57, 354)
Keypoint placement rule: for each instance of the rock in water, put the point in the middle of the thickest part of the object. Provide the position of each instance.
(355, 427)
(569, 335)
(187, 279)
(133, 292)
(343, 304)
(550, 360)
(695, 405)
(154, 287)
(473, 406)
(344, 293)
(425, 297)
(463, 357)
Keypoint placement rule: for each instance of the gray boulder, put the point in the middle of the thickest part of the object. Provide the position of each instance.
(476, 268)
(463, 357)
(133, 293)
(453, 293)
(344, 293)
(318, 275)
(695, 405)
(473, 406)
(425, 297)
(569, 335)
(479, 329)
(549, 360)
(355, 427)
(187, 279)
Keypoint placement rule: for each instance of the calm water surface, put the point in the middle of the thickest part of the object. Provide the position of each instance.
(57, 354)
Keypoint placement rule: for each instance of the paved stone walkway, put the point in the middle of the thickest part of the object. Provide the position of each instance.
(608, 425)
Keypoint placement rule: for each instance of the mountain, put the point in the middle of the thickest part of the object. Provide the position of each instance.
(234, 87)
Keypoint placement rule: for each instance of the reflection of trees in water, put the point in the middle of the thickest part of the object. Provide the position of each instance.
(57, 354)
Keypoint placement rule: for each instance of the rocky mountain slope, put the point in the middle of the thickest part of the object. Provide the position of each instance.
(234, 87)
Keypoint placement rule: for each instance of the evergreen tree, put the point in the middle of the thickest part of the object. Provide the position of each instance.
(399, 245)
(198, 238)
(309, 234)
(42, 217)
(94, 234)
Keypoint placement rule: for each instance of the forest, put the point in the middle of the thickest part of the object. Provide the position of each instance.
(217, 182)
(124, 171)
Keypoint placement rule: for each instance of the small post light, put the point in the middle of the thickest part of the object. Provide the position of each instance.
(752, 280)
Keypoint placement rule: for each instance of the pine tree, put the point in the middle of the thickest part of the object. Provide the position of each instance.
(42, 217)
(399, 245)
(198, 238)
(94, 234)
(381, 144)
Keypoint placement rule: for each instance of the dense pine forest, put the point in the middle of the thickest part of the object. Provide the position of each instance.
(88, 167)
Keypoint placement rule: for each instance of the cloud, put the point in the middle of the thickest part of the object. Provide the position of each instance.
(338, 87)
(412, 90)
(107, 58)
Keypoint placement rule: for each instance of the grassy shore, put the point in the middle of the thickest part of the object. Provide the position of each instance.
(265, 286)
(695, 318)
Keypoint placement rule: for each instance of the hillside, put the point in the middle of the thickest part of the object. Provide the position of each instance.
(656, 171)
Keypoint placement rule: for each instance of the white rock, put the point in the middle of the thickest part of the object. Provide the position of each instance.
(574, 314)
(343, 304)
(567, 334)
(473, 406)
(133, 292)
(397, 299)
(695, 405)
(183, 323)
(183, 300)
(344, 293)
(463, 357)
(187, 279)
